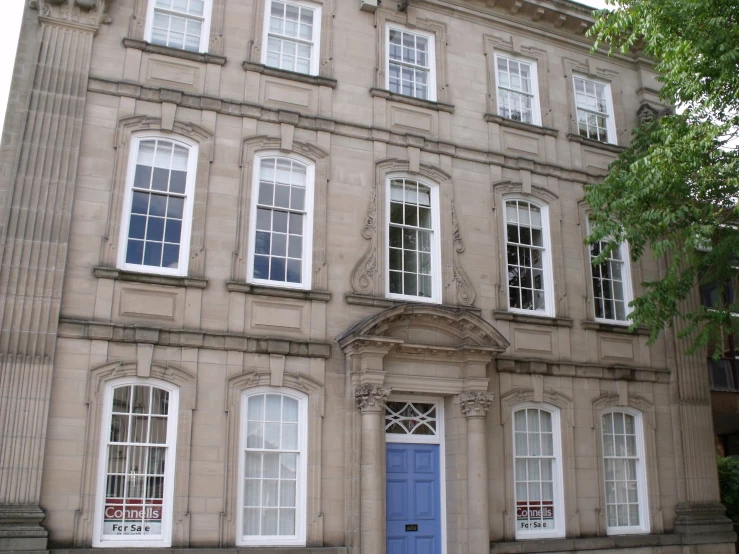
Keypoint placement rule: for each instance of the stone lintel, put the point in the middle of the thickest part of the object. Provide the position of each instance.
(202, 57)
(532, 319)
(508, 364)
(246, 288)
(505, 122)
(418, 102)
(161, 336)
(291, 75)
(152, 279)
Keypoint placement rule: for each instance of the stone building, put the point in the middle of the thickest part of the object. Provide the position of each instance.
(310, 274)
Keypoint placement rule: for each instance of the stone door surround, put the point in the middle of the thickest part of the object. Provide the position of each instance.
(407, 336)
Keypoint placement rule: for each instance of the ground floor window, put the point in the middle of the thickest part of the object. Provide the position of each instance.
(537, 472)
(137, 464)
(273, 465)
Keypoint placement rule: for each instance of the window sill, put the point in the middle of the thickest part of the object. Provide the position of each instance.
(542, 546)
(595, 143)
(436, 106)
(149, 278)
(292, 75)
(202, 57)
(382, 302)
(532, 319)
(538, 129)
(246, 288)
(612, 328)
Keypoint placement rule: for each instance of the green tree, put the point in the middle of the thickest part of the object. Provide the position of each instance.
(674, 190)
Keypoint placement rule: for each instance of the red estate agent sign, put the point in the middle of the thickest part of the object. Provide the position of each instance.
(132, 517)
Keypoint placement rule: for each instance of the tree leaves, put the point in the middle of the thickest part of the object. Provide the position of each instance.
(674, 190)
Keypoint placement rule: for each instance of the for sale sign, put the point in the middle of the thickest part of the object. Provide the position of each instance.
(132, 517)
(535, 515)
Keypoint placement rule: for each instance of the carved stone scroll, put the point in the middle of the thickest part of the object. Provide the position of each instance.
(465, 291)
(363, 274)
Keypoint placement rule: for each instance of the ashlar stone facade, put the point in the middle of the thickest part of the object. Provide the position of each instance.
(310, 275)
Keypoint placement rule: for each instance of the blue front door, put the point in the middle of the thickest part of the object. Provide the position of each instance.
(413, 499)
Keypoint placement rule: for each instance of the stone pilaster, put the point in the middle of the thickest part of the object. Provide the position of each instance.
(35, 231)
(474, 406)
(700, 511)
(371, 402)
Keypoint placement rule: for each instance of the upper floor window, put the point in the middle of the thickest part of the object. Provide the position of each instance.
(182, 24)
(157, 206)
(292, 36)
(281, 222)
(518, 89)
(411, 60)
(537, 471)
(528, 258)
(594, 110)
(413, 251)
(137, 465)
(611, 283)
(625, 477)
(273, 463)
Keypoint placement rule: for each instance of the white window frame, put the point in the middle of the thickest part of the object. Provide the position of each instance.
(98, 539)
(626, 279)
(536, 101)
(610, 120)
(310, 179)
(187, 213)
(315, 58)
(204, 37)
(549, 309)
(557, 473)
(435, 241)
(439, 438)
(431, 37)
(641, 474)
(301, 501)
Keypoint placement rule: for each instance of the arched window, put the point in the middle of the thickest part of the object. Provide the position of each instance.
(273, 464)
(612, 291)
(528, 258)
(137, 464)
(281, 227)
(181, 24)
(538, 474)
(157, 206)
(413, 254)
(624, 473)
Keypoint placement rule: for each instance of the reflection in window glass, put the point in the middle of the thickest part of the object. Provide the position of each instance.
(409, 64)
(157, 204)
(178, 23)
(621, 460)
(280, 221)
(137, 454)
(534, 470)
(525, 254)
(411, 235)
(592, 109)
(515, 90)
(290, 37)
(271, 465)
(608, 283)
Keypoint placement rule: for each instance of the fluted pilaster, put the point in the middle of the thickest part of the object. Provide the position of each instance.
(701, 510)
(35, 235)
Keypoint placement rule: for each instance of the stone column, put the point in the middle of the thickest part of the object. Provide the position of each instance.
(700, 511)
(371, 402)
(37, 201)
(474, 406)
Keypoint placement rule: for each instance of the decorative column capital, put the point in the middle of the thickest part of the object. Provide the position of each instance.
(475, 404)
(371, 398)
(87, 13)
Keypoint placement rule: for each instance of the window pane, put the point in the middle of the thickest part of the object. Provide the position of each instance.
(621, 469)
